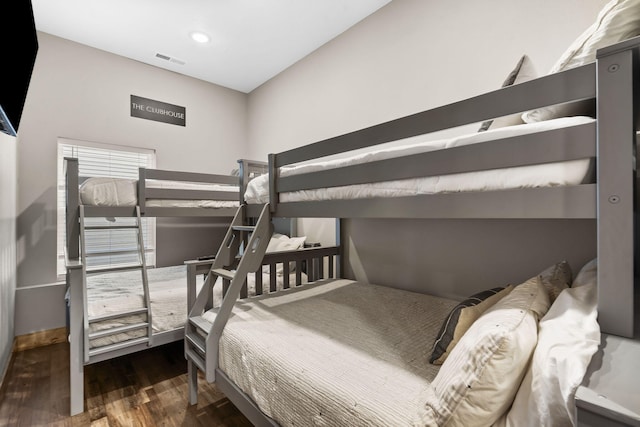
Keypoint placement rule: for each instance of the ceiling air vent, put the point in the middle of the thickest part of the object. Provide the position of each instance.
(170, 59)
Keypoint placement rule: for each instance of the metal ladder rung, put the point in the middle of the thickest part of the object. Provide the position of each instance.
(201, 323)
(117, 315)
(196, 341)
(225, 274)
(109, 227)
(118, 346)
(117, 330)
(114, 269)
(248, 228)
(196, 358)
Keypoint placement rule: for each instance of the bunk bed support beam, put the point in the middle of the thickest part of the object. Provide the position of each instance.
(76, 337)
(616, 188)
(73, 213)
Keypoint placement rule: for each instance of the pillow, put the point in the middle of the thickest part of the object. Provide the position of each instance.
(617, 21)
(556, 279)
(479, 379)
(279, 243)
(460, 319)
(568, 337)
(588, 274)
(523, 72)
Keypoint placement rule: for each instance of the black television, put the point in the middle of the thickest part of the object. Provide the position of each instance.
(19, 48)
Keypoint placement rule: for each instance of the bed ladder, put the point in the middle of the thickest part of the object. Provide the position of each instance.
(233, 262)
(88, 271)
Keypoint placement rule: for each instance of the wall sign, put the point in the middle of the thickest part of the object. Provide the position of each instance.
(159, 111)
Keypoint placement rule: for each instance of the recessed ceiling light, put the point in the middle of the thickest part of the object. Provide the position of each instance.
(200, 37)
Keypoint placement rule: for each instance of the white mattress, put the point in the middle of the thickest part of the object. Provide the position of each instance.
(121, 291)
(102, 191)
(338, 353)
(552, 174)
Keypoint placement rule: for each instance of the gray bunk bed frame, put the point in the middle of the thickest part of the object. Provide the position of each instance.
(612, 81)
(75, 281)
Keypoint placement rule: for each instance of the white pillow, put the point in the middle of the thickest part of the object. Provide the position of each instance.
(103, 191)
(478, 381)
(617, 21)
(568, 337)
(523, 72)
(279, 243)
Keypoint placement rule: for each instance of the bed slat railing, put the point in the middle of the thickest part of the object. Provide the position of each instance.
(167, 175)
(186, 194)
(574, 84)
(571, 143)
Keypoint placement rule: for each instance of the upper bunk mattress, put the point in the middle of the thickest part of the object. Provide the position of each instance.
(292, 354)
(551, 174)
(104, 191)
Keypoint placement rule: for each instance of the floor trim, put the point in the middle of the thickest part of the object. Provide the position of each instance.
(40, 338)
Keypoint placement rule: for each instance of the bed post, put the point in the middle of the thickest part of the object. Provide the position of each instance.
(76, 337)
(273, 170)
(72, 208)
(74, 285)
(616, 112)
(142, 197)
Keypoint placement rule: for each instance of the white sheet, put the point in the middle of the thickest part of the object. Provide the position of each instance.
(120, 291)
(102, 191)
(340, 353)
(552, 174)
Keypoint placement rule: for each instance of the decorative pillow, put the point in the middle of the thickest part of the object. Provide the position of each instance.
(479, 379)
(617, 21)
(556, 279)
(279, 243)
(569, 335)
(460, 319)
(523, 72)
(587, 274)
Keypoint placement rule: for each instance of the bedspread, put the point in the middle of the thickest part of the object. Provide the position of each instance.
(292, 353)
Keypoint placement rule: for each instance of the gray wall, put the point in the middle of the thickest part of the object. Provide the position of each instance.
(409, 56)
(8, 175)
(83, 93)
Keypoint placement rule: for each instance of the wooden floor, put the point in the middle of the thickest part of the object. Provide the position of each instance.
(148, 388)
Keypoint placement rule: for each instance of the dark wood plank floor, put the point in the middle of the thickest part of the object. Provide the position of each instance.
(148, 388)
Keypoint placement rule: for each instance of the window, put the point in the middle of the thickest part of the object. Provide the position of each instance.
(113, 247)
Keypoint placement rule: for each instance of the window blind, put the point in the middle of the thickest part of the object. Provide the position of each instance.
(106, 247)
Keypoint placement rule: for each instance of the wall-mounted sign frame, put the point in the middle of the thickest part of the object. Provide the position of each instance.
(150, 109)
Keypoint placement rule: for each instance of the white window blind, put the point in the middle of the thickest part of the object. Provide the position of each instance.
(107, 247)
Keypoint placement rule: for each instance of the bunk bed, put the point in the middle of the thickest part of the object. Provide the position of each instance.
(129, 307)
(288, 359)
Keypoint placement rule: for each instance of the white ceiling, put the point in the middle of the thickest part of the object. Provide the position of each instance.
(251, 40)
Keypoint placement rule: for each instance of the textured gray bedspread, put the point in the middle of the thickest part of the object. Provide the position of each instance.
(340, 353)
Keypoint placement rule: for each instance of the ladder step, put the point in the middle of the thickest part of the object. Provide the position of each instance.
(110, 227)
(195, 358)
(114, 269)
(201, 323)
(118, 315)
(225, 274)
(196, 340)
(248, 228)
(118, 330)
(118, 346)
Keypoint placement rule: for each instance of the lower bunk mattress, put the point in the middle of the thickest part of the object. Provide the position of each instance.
(116, 292)
(334, 353)
(343, 353)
